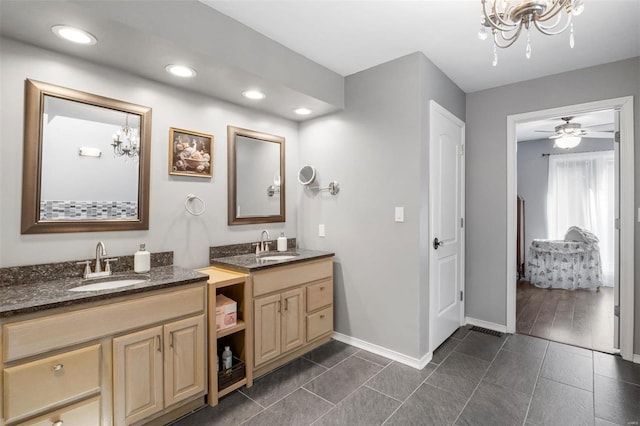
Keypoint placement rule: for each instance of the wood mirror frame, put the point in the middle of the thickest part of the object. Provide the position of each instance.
(233, 217)
(35, 92)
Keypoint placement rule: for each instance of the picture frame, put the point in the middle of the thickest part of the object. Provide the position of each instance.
(190, 153)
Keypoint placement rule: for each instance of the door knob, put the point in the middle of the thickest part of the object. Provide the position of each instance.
(437, 243)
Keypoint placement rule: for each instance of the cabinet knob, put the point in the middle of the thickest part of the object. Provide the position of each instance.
(58, 367)
(57, 423)
(321, 316)
(321, 288)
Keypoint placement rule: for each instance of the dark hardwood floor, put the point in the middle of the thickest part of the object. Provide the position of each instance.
(580, 318)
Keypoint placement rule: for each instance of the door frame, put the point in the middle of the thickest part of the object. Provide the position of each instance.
(627, 209)
(433, 107)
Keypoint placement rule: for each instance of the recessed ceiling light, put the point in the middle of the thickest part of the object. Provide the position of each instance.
(253, 94)
(302, 111)
(180, 70)
(74, 35)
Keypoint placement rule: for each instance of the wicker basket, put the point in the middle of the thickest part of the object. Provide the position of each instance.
(232, 375)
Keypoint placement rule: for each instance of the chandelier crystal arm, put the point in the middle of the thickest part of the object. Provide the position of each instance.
(548, 30)
(509, 41)
(489, 16)
(499, 17)
(556, 7)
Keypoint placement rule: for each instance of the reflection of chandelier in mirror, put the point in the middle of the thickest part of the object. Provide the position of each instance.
(506, 18)
(126, 142)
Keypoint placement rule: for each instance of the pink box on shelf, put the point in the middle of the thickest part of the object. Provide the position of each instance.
(226, 312)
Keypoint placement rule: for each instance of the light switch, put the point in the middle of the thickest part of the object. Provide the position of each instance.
(399, 214)
(321, 230)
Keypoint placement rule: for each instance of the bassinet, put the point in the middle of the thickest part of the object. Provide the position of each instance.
(568, 264)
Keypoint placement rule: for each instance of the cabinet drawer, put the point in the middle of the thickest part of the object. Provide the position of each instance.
(290, 276)
(85, 413)
(39, 385)
(319, 295)
(319, 323)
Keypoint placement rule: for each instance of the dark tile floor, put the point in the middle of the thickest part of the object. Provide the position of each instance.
(474, 379)
(580, 317)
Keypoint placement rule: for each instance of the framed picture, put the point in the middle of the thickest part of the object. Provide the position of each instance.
(190, 153)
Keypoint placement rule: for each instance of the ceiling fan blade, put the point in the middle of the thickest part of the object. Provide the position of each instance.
(605, 125)
(544, 131)
(602, 135)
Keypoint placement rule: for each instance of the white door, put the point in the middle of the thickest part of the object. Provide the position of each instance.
(446, 211)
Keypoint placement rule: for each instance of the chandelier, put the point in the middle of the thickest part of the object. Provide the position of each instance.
(126, 141)
(507, 18)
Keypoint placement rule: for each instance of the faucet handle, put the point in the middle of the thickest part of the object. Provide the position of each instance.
(87, 268)
(107, 266)
(267, 244)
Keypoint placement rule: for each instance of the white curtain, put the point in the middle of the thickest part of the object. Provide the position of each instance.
(581, 193)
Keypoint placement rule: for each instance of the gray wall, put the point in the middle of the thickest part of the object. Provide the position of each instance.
(486, 175)
(170, 226)
(375, 150)
(533, 173)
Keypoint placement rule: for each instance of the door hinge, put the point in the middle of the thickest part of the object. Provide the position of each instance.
(616, 310)
(616, 136)
(462, 149)
(617, 225)
(462, 222)
(461, 295)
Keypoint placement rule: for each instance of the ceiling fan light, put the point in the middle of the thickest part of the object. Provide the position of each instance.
(568, 142)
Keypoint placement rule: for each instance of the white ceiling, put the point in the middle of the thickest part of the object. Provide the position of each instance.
(353, 35)
(298, 50)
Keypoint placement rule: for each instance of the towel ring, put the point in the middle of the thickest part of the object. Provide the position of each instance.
(187, 207)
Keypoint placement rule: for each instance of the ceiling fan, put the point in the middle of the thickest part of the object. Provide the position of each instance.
(568, 135)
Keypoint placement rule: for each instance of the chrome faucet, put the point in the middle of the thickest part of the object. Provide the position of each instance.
(264, 245)
(101, 251)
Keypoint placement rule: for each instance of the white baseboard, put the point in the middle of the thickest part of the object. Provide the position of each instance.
(485, 324)
(418, 363)
(636, 358)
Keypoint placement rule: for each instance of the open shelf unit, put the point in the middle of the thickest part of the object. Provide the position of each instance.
(239, 338)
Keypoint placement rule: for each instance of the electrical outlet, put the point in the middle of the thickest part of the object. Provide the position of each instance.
(399, 214)
(321, 230)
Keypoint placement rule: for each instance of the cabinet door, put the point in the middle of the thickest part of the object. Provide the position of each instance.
(184, 372)
(267, 328)
(292, 320)
(137, 375)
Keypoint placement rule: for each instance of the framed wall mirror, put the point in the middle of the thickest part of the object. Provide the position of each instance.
(256, 178)
(86, 162)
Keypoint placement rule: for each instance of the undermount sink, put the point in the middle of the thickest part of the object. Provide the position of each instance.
(108, 285)
(278, 257)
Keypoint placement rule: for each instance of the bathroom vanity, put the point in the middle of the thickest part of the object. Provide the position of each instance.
(103, 357)
(291, 299)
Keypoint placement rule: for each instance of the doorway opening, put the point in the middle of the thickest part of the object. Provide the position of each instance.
(568, 267)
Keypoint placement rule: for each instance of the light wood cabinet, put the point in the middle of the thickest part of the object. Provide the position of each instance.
(137, 378)
(85, 413)
(292, 311)
(239, 338)
(139, 358)
(267, 327)
(51, 381)
(278, 324)
(157, 367)
(184, 359)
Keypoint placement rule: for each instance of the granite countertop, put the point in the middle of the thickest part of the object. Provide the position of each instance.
(35, 296)
(251, 262)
